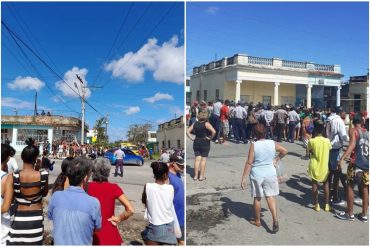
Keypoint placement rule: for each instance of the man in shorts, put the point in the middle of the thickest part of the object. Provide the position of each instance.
(358, 172)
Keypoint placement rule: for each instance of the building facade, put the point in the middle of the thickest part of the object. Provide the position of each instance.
(171, 134)
(16, 129)
(359, 93)
(267, 80)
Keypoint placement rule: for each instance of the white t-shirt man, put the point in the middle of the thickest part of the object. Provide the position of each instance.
(12, 165)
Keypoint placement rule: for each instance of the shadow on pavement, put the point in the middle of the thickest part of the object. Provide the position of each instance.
(304, 198)
(190, 170)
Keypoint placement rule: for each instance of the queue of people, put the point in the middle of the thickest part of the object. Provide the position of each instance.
(322, 133)
(83, 201)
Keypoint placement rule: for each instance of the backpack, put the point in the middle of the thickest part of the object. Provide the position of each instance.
(310, 127)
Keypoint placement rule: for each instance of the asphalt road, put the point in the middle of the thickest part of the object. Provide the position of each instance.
(218, 209)
(132, 183)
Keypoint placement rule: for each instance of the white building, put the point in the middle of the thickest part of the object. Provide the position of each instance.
(267, 80)
(151, 136)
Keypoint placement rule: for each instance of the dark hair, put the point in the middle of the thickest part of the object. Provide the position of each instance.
(160, 170)
(6, 150)
(60, 180)
(357, 119)
(367, 124)
(259, 131)
(79, 168)
(318, 128)
(30, 153)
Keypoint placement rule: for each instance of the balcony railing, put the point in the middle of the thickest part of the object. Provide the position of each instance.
(245, 60)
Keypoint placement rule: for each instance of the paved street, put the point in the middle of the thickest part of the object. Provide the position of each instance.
(132, 183)
(218, 209)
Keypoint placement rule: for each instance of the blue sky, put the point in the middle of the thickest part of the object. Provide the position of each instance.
(142, 75)
(320, 32)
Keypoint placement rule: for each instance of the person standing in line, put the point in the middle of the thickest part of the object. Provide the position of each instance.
(319, 148)
(281, 116)
(120, 155)
(107, 193)
(74, 213)
(260, 168)
(240, 116)
(269, 117)
(29, 187)
(204, 132)
(12, 163)
(357, 172)
(224, 116)
(336, 132)
(194, 109)
(307, 129)
(6, 193)
(61, 182)
(176, 166)
(158, 199)
(216, 115)
(293, 121)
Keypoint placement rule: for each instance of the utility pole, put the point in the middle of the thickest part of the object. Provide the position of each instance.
(106, 125)
(82, 109)
(35, 110)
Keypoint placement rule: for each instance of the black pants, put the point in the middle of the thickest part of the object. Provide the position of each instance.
(333, 178)
(119, 163)
(279, 131)
(269, 134)
(239, 131)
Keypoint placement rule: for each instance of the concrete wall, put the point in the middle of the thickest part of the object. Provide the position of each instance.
(172, 135)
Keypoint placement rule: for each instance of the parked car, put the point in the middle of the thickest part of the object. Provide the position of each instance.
(132, 147)
(130, 157)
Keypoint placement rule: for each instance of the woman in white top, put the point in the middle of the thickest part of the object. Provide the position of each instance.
(260, 168)
(12, 163)
(158, 199)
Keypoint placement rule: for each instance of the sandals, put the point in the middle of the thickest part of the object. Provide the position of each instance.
(254, 222)
(202, 179)
(195, 179)
(275, 227)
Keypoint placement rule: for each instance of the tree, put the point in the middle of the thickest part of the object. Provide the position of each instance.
(138, 132)
(101, 137)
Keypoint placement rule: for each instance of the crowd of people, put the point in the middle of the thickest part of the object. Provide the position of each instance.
(82, 203)
(323, 135)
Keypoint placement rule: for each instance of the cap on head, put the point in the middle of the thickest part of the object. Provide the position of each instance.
(177, 159)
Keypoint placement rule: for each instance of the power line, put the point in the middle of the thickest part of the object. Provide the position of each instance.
(115, 40)
(42, 61)
(146, 37)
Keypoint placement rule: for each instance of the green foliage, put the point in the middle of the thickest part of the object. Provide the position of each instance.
(138, 132)
(102, 138)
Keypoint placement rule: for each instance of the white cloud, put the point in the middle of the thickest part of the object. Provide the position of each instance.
(70, 78)
(132, 110)
(26, 83)
(166, 62)
(159, 96)
(16, 103)
(212, 9)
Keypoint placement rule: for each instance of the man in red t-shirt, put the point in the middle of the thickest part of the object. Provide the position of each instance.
(224, 116)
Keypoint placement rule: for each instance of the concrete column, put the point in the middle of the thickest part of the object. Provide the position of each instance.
(14, 137)
(309, 86)
(237, 90)
(276, 93)
(338, 95)
(50, 135)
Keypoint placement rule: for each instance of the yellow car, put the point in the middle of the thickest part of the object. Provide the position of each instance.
(130, 146)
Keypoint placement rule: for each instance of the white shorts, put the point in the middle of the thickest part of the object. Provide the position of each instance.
(264, 186)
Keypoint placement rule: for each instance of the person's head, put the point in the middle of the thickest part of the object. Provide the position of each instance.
(337, 109)
(259, 131)
(101, 169)
(342, 115)
(12, 151)
(30, 153)
(176, 163)
(203, 104)
(195, 103)
(318, 127)
(65, 163)
(6, 150)
(227, 102)
(357, 120)
(79, 171)
(160, 170)
(202, 116)
(269, 107)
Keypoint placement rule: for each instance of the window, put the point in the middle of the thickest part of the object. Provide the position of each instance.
(217, 93)
(153, 135)
(266, 100)
(163, 144)
(178, 144)
(4, 135)
(287, 100)
(246, 98)
(205, 95)
(188, 83)
(198, 95)
(169, 143)
(39, 135)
